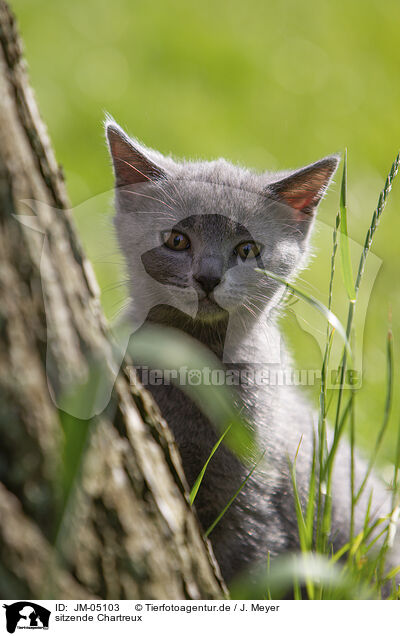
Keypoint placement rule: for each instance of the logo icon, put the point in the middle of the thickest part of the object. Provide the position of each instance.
(26, 615)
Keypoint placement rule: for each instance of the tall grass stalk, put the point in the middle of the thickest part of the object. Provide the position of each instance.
(347, 275)
(386, 414)
(322, 438)
(360, 547)
(199, 479)
(383, 197)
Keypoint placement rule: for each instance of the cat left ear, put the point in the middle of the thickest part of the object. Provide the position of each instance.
(303, 190)
(131, 162)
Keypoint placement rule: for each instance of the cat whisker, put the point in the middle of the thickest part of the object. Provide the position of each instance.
(155, 183)
(176, 189)
(102, 261)
(117, 285)
(263, 298)
(250, 310)
(251, 306)
(147, 196)
(123, 307)
(295, 230)
(136, 169)
(243, 321)
(156, 219)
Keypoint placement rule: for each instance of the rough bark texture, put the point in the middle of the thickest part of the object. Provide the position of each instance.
(117, 524)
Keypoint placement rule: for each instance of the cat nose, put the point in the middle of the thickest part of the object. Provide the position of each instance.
(209, 274)
(208, 283)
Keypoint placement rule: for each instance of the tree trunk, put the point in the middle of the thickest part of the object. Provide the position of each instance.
(88, 508)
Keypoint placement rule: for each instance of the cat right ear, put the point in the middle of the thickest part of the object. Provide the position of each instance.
(303, 189)
(130, 160)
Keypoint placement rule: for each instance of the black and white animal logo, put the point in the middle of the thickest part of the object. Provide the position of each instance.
(26, 615)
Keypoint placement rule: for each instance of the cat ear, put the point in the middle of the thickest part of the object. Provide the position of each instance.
(131, 162)
(303, 189)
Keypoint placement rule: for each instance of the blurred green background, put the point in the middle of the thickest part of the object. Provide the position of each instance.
(271, 85)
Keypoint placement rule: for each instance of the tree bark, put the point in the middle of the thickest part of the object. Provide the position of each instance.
(88, 509)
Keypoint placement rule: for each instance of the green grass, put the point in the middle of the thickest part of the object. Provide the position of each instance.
(197, 483)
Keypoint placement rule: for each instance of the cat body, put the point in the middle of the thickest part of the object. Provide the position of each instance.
(193, 234)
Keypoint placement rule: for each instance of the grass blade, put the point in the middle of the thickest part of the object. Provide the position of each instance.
(305, 530)
(347, 270)
(383, 197)
(386, 415)
(199, 479)
(310, 509)
(315, 303)
(323, 407)
(232, 499)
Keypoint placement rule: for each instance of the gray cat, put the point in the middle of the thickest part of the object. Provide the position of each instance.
(193, 234)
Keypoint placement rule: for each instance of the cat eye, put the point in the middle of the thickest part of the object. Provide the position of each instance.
(176, 241)
(249, 249)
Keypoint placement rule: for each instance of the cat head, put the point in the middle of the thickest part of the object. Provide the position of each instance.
(193, 233)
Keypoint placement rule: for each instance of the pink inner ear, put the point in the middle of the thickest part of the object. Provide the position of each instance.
(299, 201)
(303, 190)
(131, 166)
